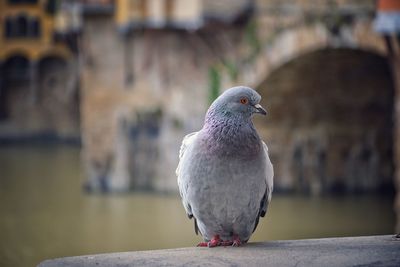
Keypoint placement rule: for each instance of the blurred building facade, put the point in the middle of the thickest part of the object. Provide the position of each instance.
(136, 74)
(39, 79)
(148, 69)
(156, 64)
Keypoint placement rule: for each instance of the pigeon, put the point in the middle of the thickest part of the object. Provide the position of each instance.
(225, 176)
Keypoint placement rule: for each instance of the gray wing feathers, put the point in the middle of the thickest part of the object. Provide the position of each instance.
(268, 191)
(182, 184)
(270, 183)
(187, 140)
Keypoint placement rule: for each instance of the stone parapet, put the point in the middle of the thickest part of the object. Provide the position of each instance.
(349, 251)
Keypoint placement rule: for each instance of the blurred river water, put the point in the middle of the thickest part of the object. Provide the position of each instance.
(44, 213)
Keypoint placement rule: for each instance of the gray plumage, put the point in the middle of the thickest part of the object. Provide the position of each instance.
(225, 176)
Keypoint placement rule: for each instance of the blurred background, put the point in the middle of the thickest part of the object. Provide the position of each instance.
(96, 96)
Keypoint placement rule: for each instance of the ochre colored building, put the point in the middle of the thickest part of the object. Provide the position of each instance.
(38, 74)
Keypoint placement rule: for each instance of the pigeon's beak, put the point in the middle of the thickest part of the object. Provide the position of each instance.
(260, 109)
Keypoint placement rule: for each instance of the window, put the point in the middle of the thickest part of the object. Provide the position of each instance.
(22, 1)
(35, 28)
(9, 28)
(22, 26)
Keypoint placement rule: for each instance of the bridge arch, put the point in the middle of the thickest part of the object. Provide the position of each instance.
(286, 45)
(52, 73)
(16, 68)
(330, 125)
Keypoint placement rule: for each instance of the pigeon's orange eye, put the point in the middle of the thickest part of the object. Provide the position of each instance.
(244, 101)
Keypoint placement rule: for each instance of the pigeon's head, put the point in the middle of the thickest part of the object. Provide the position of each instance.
(239, 100)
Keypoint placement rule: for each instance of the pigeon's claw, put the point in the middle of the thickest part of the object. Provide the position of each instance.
(202, 244)
(236, 241)
(214, 242)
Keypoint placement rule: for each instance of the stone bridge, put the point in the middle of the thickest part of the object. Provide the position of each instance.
(345, 251)
(144, 89)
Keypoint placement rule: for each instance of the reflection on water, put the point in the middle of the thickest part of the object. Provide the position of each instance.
(45, 214)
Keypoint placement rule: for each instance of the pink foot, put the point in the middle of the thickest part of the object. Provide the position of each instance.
(202, 244)
(214, 242)
(236, 241)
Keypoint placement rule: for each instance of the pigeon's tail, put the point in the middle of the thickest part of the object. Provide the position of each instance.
(196, 228)
(261, 212)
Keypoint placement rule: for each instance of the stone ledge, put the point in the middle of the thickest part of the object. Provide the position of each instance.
(346, 251)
